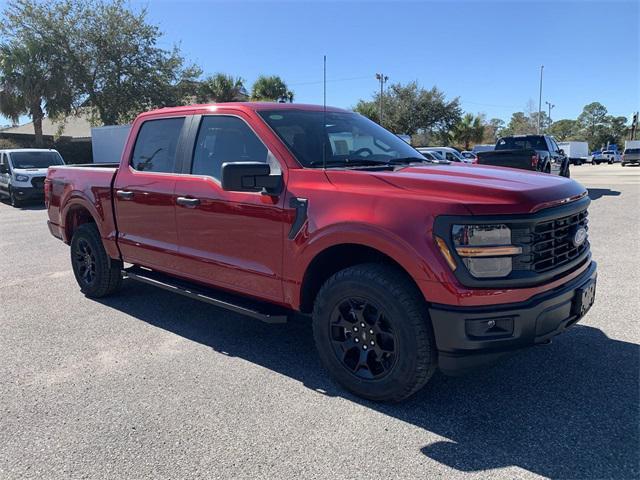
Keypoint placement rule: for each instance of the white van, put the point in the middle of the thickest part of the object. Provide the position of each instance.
(22, 173)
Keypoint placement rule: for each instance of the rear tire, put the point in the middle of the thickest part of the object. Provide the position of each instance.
(97, 274)
(394, 354)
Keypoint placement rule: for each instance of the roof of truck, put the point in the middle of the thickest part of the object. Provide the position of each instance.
(254, 106)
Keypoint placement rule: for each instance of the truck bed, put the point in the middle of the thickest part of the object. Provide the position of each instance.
(71, 184)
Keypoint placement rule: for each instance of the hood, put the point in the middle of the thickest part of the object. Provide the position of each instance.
(32, 172)
(483, 190)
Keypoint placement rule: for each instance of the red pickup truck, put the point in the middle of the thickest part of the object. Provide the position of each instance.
(406, 265)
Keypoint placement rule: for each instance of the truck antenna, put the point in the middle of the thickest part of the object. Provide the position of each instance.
(324, 113)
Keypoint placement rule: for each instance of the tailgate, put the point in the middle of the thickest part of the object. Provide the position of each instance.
(508, 158)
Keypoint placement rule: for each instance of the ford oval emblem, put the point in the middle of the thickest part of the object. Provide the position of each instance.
(580, 236)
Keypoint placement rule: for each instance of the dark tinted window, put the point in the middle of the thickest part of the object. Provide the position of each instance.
(156, 145)
(521, 143)
(632, 150)
(223, 139)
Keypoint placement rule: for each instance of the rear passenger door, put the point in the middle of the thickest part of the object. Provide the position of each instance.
(144, 194)
(231, 240)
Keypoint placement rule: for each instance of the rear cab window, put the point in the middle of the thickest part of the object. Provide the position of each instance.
(156, 145)
(532, 142)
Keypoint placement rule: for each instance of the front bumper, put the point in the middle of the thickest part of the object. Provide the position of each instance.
(28, 193)
(470, 337)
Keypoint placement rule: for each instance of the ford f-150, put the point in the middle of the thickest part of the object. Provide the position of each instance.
(404, 264)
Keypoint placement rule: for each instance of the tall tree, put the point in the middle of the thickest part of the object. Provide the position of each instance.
(468, 130)
(118, 63)
(271, 89)
(520, 124)
(34, 78)
(492, 130)
(411, 109)
(221, 88)
(563, 129)
(591, 122)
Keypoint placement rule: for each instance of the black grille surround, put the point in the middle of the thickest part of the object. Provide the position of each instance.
(38, 182)
(546, 238)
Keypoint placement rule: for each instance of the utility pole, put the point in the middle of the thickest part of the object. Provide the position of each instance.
(382, 79)
(550, 105)
(540, 99)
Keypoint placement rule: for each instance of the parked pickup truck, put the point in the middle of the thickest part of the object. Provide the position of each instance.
(539, 153)
(268, 209)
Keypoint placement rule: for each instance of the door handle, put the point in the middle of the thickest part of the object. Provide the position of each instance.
(188, 202)
(124, 194)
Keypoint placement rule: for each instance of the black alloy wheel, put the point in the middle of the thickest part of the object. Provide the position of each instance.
(362, 338)
(85, 262)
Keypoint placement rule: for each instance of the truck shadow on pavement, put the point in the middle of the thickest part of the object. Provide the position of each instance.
(567, 410)
(596, 193)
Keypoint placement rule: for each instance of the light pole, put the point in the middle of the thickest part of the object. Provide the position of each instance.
(550, 105)
(540, 99)
(382, 79)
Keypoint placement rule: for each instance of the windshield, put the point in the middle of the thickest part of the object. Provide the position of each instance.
(35, 159)
(351, 139)
(632, 150)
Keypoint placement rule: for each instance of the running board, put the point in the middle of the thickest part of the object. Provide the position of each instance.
(245, 306)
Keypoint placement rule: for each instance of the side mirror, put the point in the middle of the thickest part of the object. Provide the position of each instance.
(561, 152)
(250, 177)
(4, 168)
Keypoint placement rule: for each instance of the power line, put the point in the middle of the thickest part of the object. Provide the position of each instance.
(317, 82)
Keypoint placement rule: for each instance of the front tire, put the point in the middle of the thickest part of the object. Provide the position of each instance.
(373, 334)
(15, 202)
(97, 274)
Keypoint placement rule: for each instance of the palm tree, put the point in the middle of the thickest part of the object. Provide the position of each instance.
(469, 130)
(271, 89)
(221, 88)
(32, 81)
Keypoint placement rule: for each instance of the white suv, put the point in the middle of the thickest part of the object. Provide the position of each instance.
(22, 173)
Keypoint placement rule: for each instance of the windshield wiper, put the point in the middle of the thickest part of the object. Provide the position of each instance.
(408, 160)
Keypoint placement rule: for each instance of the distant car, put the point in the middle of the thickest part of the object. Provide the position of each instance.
(631, 156)
(606, 156)
(448, 153)
(22, 173)
(433, 156)
(470, 156)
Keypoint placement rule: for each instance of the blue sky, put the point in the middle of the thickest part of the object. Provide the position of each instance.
(487, 53)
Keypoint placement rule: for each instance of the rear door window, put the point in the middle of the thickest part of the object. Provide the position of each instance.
(156, 145)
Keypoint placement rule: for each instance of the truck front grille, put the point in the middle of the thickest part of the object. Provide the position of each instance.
(553, 241)
(549, 244)
(38, 182)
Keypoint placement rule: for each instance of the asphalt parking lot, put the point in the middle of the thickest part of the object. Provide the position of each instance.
(150, 384)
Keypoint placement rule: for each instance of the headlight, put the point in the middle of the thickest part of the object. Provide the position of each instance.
(486, 250)
(22, 178)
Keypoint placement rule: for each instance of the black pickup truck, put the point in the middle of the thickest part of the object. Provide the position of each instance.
(528, 152)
